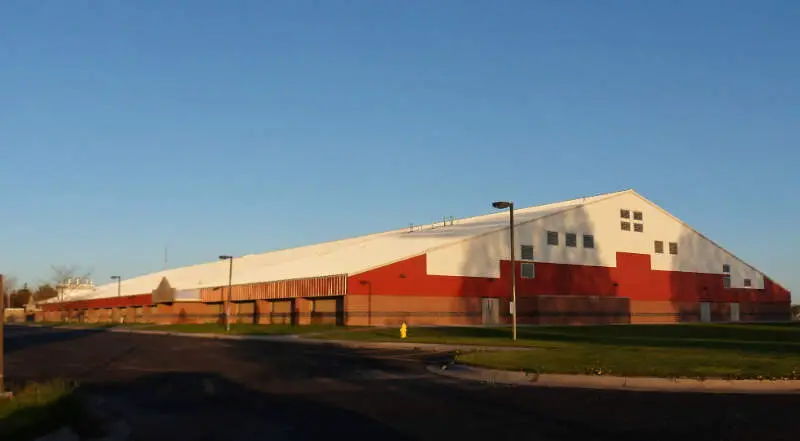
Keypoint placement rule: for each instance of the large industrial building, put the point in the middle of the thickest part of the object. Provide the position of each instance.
(612, 258)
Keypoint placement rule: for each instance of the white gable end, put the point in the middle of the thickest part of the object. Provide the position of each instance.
(601, 219)
(695, 252)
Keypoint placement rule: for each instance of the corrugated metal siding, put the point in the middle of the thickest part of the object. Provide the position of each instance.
(110, 302)
(335, 285)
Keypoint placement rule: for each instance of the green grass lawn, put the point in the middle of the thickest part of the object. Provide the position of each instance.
(37, 409)
(687, 350)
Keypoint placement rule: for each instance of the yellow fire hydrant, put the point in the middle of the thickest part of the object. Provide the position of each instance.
(403, 330)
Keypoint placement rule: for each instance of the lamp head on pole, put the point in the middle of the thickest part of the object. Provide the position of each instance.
(225, 257)
(116, 278)
(502, 204)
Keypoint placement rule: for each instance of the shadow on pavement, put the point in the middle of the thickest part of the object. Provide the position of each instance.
(22, 337)
(209, 406)
(196, 389)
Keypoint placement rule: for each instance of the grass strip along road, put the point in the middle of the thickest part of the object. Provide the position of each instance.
(731, 351)
(38, 408)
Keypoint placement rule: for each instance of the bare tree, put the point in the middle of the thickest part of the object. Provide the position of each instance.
(45, 291)
(67, 276)
(9, 286)
(64, 273)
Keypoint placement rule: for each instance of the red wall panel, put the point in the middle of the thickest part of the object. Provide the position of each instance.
(632, 278)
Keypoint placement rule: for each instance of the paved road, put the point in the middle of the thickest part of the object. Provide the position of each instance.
(180, 388)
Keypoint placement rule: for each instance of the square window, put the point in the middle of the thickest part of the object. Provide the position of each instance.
(673, 247)
(726, 281)
(625, 214)
(571, 240)
(726, 268)
(526, 252)
(588, 241)
(748, 283)
(552, 237)
(637, 215)
(658, 246)
(527, 271)
(626, 226)
(639, 228)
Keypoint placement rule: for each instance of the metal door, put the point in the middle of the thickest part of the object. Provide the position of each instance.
(246, 312)
(283, 312)
(324, 311)
(490, 311)
(734, 312)
(705, 312)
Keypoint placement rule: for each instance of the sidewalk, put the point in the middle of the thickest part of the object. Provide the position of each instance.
(494, 376)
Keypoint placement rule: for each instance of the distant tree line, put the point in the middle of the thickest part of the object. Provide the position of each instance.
(16, 296)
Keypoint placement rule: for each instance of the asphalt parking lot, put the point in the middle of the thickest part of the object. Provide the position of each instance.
(180, 388)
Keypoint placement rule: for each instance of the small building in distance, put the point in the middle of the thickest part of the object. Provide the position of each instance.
(612, 258)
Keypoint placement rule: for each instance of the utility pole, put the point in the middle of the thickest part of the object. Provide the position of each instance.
(230, 287)
(500, 205)
(2, 322)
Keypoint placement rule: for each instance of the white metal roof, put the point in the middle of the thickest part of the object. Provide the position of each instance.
(347, 256)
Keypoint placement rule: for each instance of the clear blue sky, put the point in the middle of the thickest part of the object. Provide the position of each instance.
(244, 126)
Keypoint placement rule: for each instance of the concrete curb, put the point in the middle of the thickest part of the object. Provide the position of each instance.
(496, 376)
(433, 347)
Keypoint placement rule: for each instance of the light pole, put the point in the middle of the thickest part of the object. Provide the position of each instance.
(369, 300)
(228, 300)
(2, 297)
(120, 312)
(500, 205)
(119, 285)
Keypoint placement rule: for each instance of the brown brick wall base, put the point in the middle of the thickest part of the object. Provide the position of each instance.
(686, 312)
(385, 310)
(392, 310)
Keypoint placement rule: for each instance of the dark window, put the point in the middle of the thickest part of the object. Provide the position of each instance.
(726, 281)
(552, 237)
(673, 247)
(526, 252)
(527, 270)
(588, 241)
(659, 246)
(726, 268)
(748, 283)
(571, 239)
(625, 214)
(626, 226)
(639, 228)
(637, 215)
